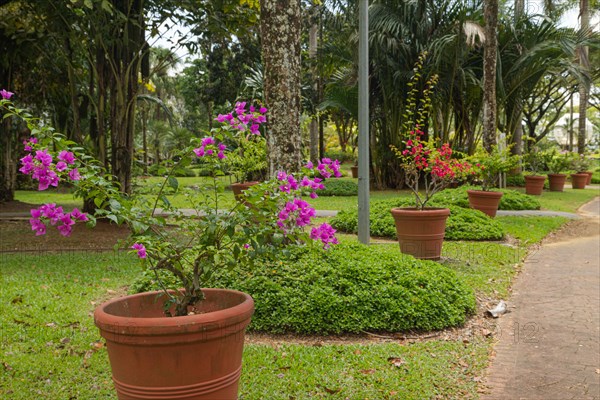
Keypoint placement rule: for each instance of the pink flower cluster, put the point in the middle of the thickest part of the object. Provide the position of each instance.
(50, 213)
(297, 212)
(325, 233)
(245, 120)
(141, 250)
(290, 183)
(327, 168)
(209, 147)
(41, 167)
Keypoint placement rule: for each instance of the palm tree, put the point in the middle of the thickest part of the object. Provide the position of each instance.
(584, 90)
(490, 51)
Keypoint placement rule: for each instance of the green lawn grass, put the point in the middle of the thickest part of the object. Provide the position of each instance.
(51, 349)
(569, 200)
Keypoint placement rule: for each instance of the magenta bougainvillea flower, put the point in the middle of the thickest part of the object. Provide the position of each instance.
(6, 95)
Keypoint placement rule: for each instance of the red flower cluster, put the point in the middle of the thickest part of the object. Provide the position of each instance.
(420, 156)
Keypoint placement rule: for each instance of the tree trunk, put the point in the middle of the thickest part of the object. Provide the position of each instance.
(312, 54)
(280, 41)
(490, 12)
(8, 163)
(145, 139)
(584, 90)
(571, 124)
(127, 61)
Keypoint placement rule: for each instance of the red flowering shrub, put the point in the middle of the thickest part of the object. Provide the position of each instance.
(434, 165)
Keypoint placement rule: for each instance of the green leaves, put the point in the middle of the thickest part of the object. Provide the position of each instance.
(173, 183)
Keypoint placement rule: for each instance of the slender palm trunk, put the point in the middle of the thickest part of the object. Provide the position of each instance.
(312, 53)
(490, 49)
(584, 90)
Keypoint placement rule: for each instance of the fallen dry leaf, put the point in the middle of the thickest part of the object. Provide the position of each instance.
(367, 371)
(330, 391)
(396, 361)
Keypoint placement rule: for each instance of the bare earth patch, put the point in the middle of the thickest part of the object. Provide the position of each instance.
(16, 234)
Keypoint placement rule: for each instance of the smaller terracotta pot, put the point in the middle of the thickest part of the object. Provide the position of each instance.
(578, 180)
(239, 187)
(421, 232)
(589, 179)
(485, 201)
(534, 184)
(557, 182)
(354, 170)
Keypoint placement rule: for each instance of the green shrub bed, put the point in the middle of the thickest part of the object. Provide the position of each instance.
(348, 289)
(339, 187)
(463, 223)
(511, 199)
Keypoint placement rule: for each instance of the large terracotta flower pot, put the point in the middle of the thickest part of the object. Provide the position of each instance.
(485, 201)
(421, 232)
(578, 180)
(556, 182)
(239, 187)
(191, 357)
(534, 184)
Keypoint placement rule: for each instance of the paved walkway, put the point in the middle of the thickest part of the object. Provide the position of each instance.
(549, 345)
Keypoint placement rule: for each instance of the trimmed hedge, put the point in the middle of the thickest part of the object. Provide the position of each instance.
(339, 187)
(349, 289)
(462, 224)
(511, 200)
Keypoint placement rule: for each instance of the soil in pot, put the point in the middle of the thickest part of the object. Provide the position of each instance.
(421, 232)
(191, 357)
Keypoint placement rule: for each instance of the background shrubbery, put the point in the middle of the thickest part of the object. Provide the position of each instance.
(339, 187)
(349, 288)
(463, 223)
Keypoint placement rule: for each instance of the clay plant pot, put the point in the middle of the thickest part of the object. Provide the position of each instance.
(534, 184)
(556, 182)
(239, 187)
(354, 170)
(589, 179)
(191, 357)
(578, 180)
(421, 232)
(485, 201)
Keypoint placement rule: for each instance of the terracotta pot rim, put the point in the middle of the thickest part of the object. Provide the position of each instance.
(535, 177)
(413, 211)
(486, 193)
(557, 175)
(120, 324)
(580, 174)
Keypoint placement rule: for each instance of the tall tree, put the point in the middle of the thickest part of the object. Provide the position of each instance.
(584, 89)
(280, 28)
(490, 50)
(312, 54)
